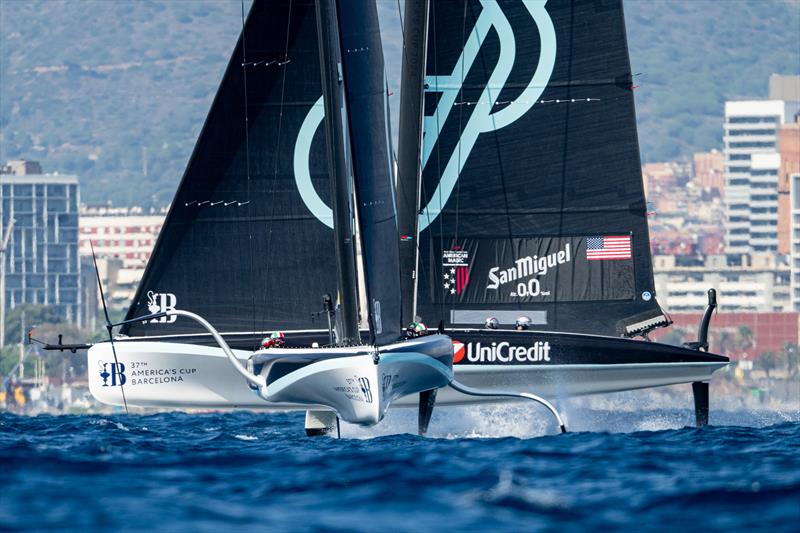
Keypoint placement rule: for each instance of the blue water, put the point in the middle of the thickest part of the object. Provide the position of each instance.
(244, 471)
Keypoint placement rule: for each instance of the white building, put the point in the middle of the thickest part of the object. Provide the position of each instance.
(123, 240)
(761, 284)
(752, 163)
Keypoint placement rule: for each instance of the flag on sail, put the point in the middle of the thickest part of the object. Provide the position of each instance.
(608, 248)
(455, 271)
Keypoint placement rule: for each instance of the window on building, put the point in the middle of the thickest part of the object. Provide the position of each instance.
(751, 120)
(743, 133)
(23, 190)
(752, 144)
(56, 205)
(56, 190)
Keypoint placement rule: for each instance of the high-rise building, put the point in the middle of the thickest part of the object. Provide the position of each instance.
(752, 165)
(789, 150)
(42, 264)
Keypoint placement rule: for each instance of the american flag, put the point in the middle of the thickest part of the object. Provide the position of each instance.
(608, 247)
(455, 278)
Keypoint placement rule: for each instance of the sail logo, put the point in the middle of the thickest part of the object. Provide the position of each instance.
(161, 302)
(501, 352)
(455, 271)
(482, 119)
(528, 266)
(112, 374)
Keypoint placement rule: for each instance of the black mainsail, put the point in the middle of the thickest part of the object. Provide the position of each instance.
(532, 198)
(248, 242)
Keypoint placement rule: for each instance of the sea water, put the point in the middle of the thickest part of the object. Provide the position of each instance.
(490, 468)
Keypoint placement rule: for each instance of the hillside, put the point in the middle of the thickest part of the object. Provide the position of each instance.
(116, 91)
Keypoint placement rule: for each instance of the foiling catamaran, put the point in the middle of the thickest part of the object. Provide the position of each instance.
(518, 198)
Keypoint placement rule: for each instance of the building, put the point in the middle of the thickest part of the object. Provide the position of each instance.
(123, 240)
(789, 150)
(795, 241)
(709, 170)
(758, 283)
(751, 164)
(21, 167)
(42, 263)
(785, 88)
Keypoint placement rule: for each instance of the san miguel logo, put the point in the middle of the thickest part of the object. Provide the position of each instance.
(500, 352)
(525, 267)
(161, 302)
(485, 117)
(455, 271)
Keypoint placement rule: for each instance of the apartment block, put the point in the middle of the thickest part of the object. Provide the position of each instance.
(42, 264)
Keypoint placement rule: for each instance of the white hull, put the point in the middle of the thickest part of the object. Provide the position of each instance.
(359, 383)
(165, 374)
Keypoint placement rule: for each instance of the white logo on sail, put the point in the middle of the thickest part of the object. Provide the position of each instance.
(482, 120)
(161, 302)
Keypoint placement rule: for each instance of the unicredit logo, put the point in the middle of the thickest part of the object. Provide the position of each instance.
(501, 352)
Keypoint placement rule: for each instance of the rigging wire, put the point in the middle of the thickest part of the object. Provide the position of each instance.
(437, 283)
(247, 163)
(564, 156)
(276, 154)
(402, 28)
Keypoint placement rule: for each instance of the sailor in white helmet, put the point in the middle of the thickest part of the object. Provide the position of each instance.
(491, 323)
(523, 323)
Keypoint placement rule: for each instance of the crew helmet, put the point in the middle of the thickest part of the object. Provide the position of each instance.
(416, 329)
(523, 322)
(276, 338)
(491, 323)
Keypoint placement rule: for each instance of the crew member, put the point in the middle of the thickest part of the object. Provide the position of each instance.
(522, 323)
(416, 329)
(275, 340)
(491, 323)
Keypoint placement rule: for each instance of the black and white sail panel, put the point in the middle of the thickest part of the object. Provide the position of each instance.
(370, 143)
(532, 198)
(248, 242)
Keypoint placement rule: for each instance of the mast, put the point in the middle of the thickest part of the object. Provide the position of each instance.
(341, 193)
(412, 94)
(373, 175)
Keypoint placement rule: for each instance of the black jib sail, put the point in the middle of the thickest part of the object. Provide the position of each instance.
(247, 242)
(368, 120)
(532, 199)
